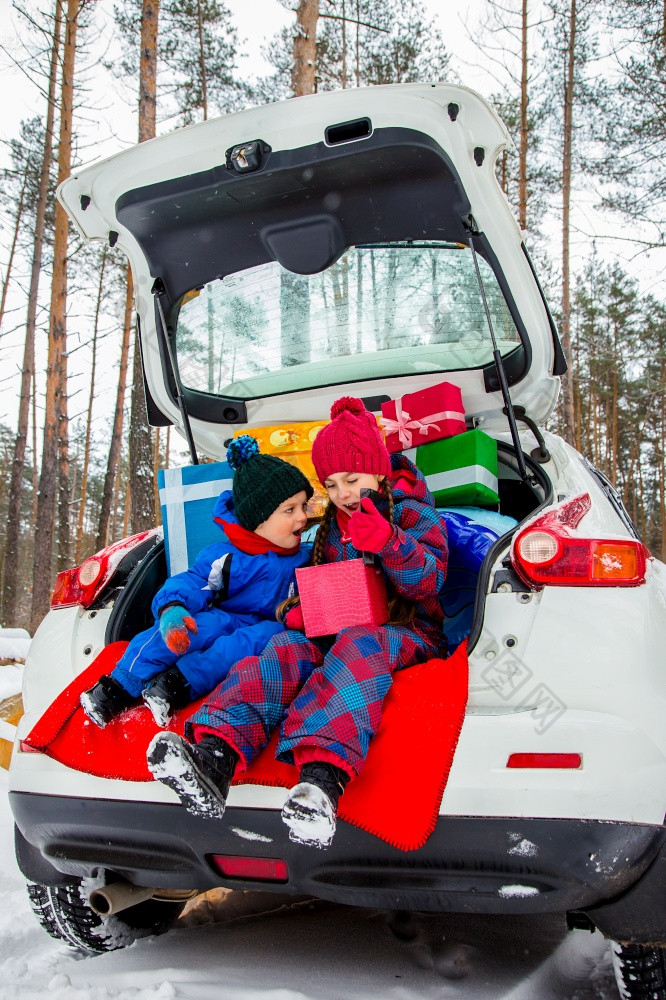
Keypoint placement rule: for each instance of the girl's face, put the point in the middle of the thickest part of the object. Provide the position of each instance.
(344, 488)
(285, 524)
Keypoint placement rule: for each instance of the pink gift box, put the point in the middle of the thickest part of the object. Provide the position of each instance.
(433, 413)
(341, 594)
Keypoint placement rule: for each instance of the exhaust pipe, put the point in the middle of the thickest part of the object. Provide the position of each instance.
(118, 896)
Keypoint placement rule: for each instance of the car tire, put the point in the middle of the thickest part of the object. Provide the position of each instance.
(64, 912)
(640, 971)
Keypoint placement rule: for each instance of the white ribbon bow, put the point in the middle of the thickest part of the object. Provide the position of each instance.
(403, 425)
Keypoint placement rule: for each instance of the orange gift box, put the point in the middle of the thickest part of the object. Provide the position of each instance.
(293, 443)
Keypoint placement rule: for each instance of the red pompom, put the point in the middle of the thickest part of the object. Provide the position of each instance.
(347, 403)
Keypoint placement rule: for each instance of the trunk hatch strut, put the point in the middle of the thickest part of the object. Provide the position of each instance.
(157, 290)
(497, 357)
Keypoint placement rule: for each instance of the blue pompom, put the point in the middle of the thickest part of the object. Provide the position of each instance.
(240, 449)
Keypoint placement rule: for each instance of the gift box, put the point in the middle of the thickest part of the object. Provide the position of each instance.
(188, 497)
(293, 443)
(460, 471)
(341, 594)
(429, 415)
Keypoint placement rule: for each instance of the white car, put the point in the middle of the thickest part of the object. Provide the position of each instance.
(358, 242)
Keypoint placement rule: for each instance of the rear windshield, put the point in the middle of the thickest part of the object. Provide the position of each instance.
(379, 311)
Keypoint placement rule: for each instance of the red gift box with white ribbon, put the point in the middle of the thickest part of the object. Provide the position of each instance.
(428, 415)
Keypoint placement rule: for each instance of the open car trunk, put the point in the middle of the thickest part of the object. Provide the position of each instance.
(355, 241)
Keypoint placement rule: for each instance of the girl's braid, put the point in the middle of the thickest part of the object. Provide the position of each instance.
(322, 535)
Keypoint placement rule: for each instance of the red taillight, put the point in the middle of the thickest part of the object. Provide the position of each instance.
(554, 760)
(236, 866)
(84, 583)
(548, 552)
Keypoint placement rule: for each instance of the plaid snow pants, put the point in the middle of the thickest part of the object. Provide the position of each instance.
(329, 700)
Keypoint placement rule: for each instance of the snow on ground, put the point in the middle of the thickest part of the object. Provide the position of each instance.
(14, 644)
(260, 946)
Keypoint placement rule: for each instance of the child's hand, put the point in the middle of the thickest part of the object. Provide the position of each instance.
(175, 623)
(294, 618)
(368, 530)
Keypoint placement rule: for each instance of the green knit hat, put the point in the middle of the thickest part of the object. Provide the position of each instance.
(261, 482)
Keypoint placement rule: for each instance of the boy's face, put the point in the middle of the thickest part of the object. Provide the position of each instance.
(344, 488)
(286, 523)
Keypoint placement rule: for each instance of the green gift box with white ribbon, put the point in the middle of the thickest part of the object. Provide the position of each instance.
(460, 470)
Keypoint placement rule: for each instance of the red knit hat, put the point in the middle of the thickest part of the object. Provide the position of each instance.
(351, 443)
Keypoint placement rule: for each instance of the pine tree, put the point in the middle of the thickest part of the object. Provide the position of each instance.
(304, 62)
(632, 122)
(41, 227)
(115, 444)
(570, 48)
(197, 51)
(53, 494)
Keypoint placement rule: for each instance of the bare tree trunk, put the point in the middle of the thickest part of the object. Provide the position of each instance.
(156, 466)
(522, 152)
(35, 481)
(91, 400)
(358, 47)
(116, 504)
(210, 320)
(55, 414)
(141, 458)
(662, 463)
(140, 450)
(615, 454)
(63, 508)
(10, 565)
(117, 432)
(128, 507)
(344, 46)
(202, 63)
(12, 250)
(504, 178)
(150, 10)
(568, 402)
(303, 71)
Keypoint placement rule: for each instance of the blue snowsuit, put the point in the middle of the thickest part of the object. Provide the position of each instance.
(232, 597)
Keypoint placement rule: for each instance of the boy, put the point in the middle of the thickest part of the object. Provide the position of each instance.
(222, 608)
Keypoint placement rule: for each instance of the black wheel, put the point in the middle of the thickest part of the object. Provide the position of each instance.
(640, 971)
(64, 911)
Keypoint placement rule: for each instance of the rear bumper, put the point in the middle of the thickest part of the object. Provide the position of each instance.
(468, 865)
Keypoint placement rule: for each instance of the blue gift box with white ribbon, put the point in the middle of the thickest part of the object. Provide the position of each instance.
(187, 498)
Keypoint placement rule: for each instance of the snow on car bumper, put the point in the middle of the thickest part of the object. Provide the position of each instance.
(469, 864)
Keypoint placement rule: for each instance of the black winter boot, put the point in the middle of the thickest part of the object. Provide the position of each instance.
(199, 773)
(311, 806)
(166, 694)
(106, 699)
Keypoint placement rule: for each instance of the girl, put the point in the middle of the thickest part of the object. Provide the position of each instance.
(326, 694)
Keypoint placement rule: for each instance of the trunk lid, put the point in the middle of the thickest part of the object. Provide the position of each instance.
(320, 246)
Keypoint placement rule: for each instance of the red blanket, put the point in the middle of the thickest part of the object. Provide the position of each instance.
(396, 797)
